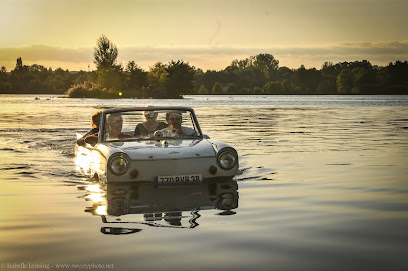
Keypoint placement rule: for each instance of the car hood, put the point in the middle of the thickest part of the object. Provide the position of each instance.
(165, 149)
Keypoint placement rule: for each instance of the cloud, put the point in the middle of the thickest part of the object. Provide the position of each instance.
(379, 53)
(212, 57)
(47, 56)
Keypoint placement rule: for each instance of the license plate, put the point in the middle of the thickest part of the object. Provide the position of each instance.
(191, 178)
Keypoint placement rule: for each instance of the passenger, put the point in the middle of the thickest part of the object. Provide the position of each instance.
(174, 120)
(150, 125)
(114, 124)
(95, 120)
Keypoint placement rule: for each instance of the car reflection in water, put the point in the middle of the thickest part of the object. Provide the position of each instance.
(124, 206)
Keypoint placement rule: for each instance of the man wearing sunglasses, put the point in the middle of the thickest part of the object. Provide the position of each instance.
(174, 120)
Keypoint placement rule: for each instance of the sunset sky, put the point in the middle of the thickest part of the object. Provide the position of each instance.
(208, 34)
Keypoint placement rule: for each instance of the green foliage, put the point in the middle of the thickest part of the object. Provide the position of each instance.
(110, 78)
(257, 90)
(267, 64)
(19, 64)
(286, 85)
(5, 85)
(136, 80)
(232, 88)
(156, 78)
(272, 87)
(327, 85)
(345, 82)
(59, 81)
(203, 90)
(394, 77)
(307, 79)
(256, 74)
(105, 53)
(180, 79)
(217, 88)
(109, 75)
(84, 90)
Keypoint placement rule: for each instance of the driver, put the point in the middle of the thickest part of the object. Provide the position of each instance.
(174, 120)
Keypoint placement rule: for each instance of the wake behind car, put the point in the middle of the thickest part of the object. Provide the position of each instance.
(162, 145)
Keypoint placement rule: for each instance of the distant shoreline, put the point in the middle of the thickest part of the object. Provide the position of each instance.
(64, 96)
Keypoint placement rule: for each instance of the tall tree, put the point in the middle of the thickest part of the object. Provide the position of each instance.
(180, 79)
(105, 53)
(345, 82)
(136, 79)
(5, 85)
(267, 64)
(109, 74)
(20, 77)
(217, 88)
(156, 78)
(19, 64)
(232, 88)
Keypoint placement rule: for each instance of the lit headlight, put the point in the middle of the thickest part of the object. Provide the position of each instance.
(227, 159)
(119, 165)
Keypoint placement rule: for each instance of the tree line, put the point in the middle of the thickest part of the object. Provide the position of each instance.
(258, 74)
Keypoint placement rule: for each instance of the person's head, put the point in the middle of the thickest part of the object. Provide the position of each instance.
(114, 124)
(95, 119)
(150, 116)
(174, 119)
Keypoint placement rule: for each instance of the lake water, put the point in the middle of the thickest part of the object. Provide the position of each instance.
(323, 185)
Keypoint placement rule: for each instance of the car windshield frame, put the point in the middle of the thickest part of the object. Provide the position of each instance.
(158, 109)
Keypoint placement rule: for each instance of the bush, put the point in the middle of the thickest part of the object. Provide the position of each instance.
(232, 88)
(203, 90)
(217, 88)
(85, 90)
(271, 87)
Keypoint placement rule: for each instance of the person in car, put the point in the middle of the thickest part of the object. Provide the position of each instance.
(150, 125)
(174, 121)
(95, 120)
(114, 124)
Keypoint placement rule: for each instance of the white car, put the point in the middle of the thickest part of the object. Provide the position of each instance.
(124, 151)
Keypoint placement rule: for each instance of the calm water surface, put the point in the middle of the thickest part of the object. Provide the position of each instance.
(323, 185)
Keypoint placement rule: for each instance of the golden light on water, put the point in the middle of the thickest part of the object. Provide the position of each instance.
(94, 188)
(101, 210)
(95, 197)
(318, 175)
(81, 160)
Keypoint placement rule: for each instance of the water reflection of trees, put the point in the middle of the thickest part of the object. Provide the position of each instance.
(124, 207)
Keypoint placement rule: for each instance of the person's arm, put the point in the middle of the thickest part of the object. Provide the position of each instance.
(92, 139)
(81, 141)
(137, 132)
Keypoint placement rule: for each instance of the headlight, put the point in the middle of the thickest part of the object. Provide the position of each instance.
(227, 159)
(119, 165)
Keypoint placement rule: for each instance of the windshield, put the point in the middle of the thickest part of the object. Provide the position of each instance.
(154, 124)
